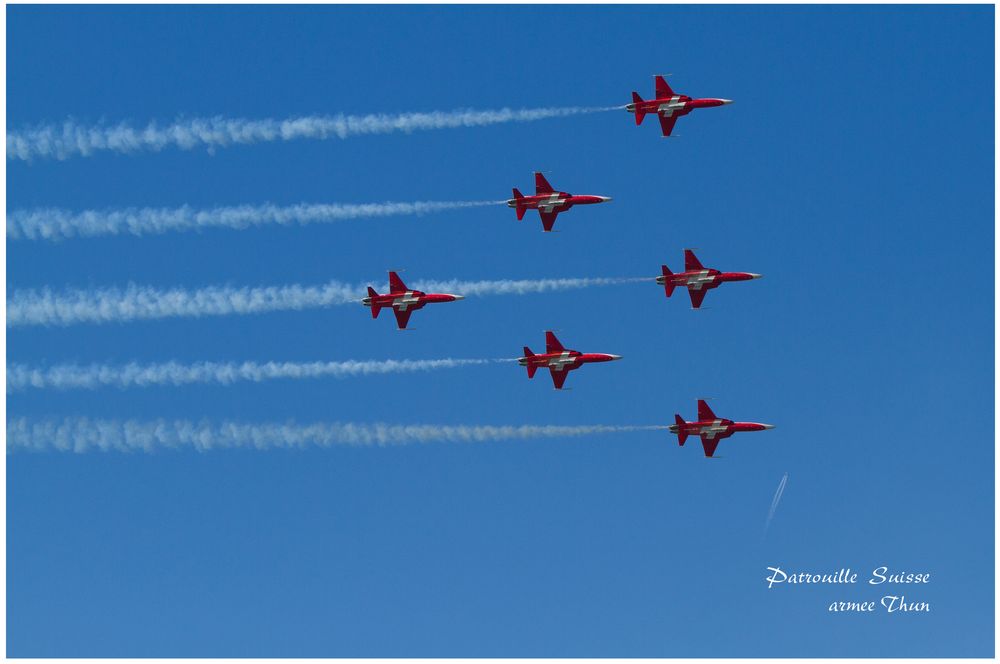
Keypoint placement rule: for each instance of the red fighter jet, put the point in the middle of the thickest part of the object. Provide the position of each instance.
(712, 429)
(549, 202)
(403, 300)
(698, 278)
(668, 105)
(559, 360)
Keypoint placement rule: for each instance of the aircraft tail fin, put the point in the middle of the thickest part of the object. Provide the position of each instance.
(668, 286)
(376, 308)
(518, 196)
(681, 433)
(532, 368)
(639, 114)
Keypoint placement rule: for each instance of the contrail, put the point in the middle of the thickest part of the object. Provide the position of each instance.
(73, 376)
(81, 434)
(775, 501)
(72, 139)
(115, 305)
(59, 224)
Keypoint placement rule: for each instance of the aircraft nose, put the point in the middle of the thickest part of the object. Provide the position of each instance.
(458, 297)
(604, 199)
(755, 276)
(726, 101)
(615, 357)
(767, 426)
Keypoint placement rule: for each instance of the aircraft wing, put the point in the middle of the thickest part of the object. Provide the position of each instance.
(704, 412)
(667, 123)
(697, 296)
(558, 377)
(542, 185)
(552, 344)
(548, 220)
(691, 262)
(396, 284)
(709, 444)
(663, 89)
(402, 317)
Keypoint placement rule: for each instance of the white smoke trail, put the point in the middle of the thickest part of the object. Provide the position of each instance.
(775, 501)
(81, 434)
(72, 139)
(107, 305)
(73, 376)
(58, 224)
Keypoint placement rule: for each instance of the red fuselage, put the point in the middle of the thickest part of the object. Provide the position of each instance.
(567, 360)
(706, 279)
(557, 201)
(718, 428)
(410, 300)
(676, 105)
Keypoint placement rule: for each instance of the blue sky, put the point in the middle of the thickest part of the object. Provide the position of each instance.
(855, 171)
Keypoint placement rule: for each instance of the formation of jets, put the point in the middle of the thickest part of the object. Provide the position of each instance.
(668, 106)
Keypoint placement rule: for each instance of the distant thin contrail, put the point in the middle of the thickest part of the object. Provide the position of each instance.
(73, 376)
(775, 501)
(72, 139)
(116, 305)
(59, 224)
(81, 434)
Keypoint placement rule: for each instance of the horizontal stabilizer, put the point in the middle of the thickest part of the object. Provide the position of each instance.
(552, 344)
(668, 286)
(639, 114)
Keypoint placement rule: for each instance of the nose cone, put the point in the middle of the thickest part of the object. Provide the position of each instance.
(726, 101)
(457, 297)
(614, 357)
(605, 199)
(767, 426)
(755, 276)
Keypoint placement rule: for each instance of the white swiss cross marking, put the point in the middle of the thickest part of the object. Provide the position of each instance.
(559, 363)
(550, 203)
(667, 109)
(403, 303)
(699, 279)
(712, 430)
